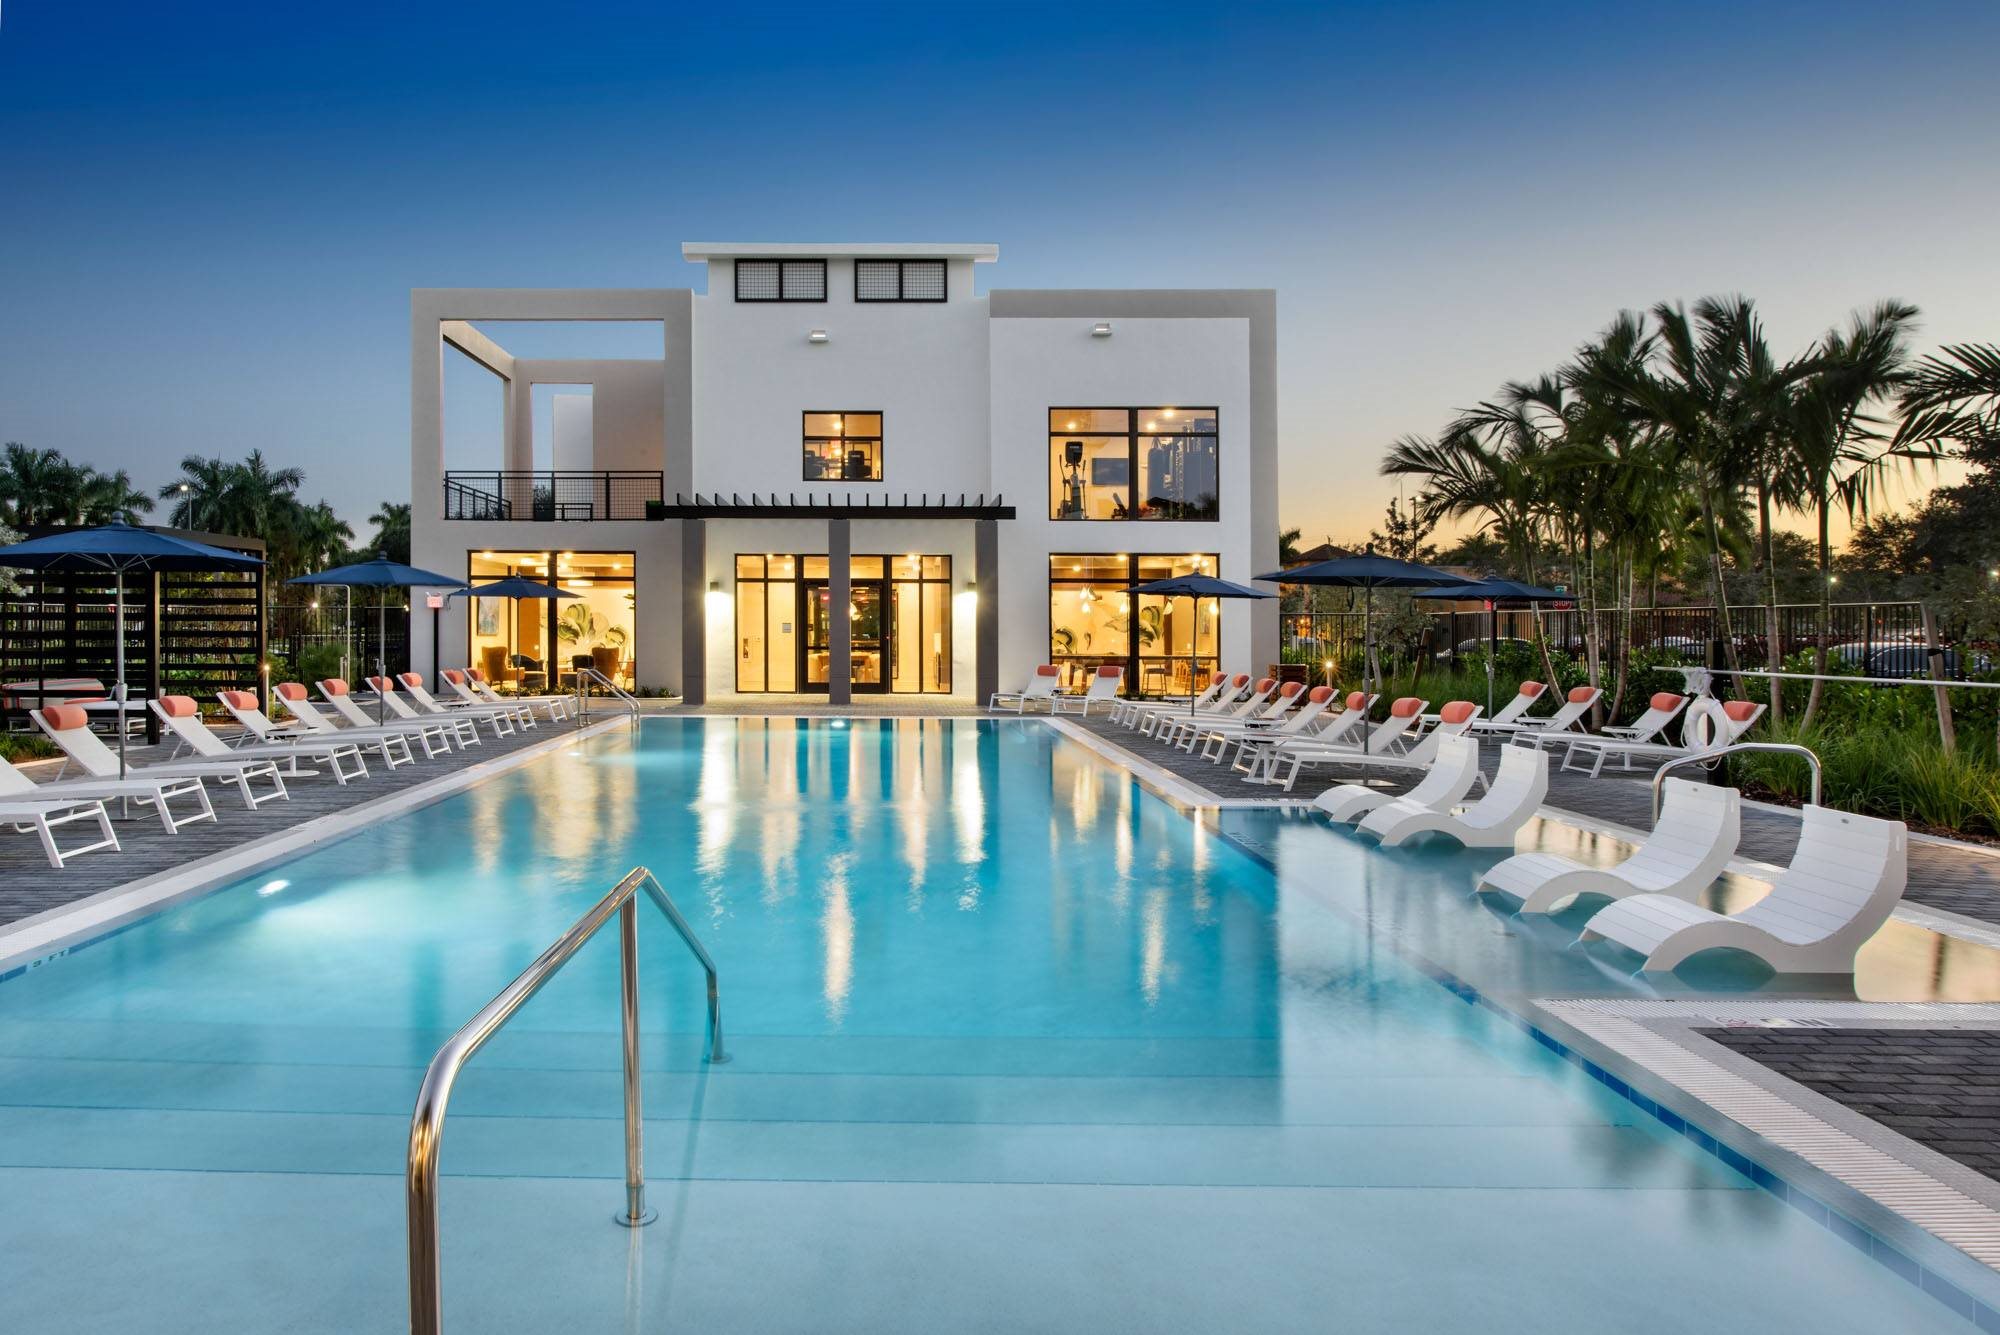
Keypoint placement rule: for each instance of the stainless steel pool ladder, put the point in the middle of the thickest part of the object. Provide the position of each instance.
(585, 677)
(427, 1123)
(1774, 748)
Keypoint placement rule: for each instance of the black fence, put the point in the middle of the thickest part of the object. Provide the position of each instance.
(1871, 639)
(308, 639)
(550, 496)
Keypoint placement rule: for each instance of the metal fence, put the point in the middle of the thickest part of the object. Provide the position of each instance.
(296, 628)
(1880, 638)
(550, 496)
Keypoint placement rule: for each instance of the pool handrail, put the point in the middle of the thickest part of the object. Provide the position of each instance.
(427, 1122)
(1776, 748)
(585, 676)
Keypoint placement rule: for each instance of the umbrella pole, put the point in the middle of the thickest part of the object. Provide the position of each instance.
(1194, 632)
(381, 661)
(1492, 647)
(1367, 654)
(118, 621)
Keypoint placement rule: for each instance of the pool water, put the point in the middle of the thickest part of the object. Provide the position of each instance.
(1016, 1046)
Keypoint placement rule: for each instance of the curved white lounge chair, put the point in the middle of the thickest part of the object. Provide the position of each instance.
(1737, 718)
(69, 728)
(1041, 686)
(435, 738)
(1453, 771)
(1695, 838)
(1491, 822)
(1510, 713)
(1843, 884)
(1103, 689)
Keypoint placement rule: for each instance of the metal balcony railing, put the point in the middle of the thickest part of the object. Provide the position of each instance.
(550, 496)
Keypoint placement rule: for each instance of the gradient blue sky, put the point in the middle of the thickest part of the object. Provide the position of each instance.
(211, 213)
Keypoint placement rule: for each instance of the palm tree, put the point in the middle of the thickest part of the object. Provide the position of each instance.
(107, 497)
(392, 530)
(1953, 395)
(307, 538)
(201, 495)
(37, 487)
(1835, 449)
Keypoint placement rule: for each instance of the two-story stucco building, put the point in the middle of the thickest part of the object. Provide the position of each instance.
(850, 471)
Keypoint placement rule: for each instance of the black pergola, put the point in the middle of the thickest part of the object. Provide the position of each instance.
(867, 505)
(186, 632)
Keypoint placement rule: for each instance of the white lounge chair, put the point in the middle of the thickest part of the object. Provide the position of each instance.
(1510, 713)
(1237, 694)
(559, 707)
(500, 718)
(392, 743)
(1217, 741)
(459, 694)
(42, 818)
(1450, 776)
(464, 727)
(433, 735)
(1453, 721)
(1259, 755)
(1127, 709)
(1842, 885)
(1690, 845)
(1103, 689)
(182, 717)
(1267, 699)
(1491, 822)
(1041, 686)
(157, 792)
(1738, 717)
(1187, 734)
(1567, 718)
(69, 728)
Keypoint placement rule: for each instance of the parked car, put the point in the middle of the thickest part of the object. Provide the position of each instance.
(1506, 644)
(1913, 660)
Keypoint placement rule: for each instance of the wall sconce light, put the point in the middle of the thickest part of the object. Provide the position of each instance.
(816, 336)
(1102, 329)
(715, 586)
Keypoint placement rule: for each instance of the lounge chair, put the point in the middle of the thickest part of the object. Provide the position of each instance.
(1738, 717)
(1236, 694)
(1513, 798)
(501, 718)
(158, 793)
(1510, 713)
(69, 728)
(435, 737)
(1842, 885)
(42, 818)
(559, 707)
(182, 718)
(1384, 746)
(1259, 754)
(1260, 703)
(1184, 733)
(1127, 709)
(1690, 845)
(1041, 686)
(391, 743)
(1450, 776)
(1569, 716)
(464, 727)
(1217, 740)
(460, 695)
(1103, 689)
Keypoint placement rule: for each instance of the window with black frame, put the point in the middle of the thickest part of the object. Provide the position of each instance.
(1134, 463)
(781, 280)
(843, 447)
(1095, 621)
(899, 280)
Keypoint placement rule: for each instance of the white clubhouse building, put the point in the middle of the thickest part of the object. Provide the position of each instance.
(847, 472)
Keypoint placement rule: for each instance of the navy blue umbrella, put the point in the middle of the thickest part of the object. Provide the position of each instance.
(1494, 590)
(1367, 572)
(517, 587)
(1197, 586)
(382, 573)
(121, 549)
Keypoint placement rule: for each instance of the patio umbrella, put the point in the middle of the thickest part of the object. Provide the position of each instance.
(1197, 587)
(121, 549)
(517, 587)
(1367, 572)
(1495, 590)
(381, 573)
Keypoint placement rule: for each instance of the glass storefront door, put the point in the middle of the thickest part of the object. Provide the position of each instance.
(899, 623)
(867, 650)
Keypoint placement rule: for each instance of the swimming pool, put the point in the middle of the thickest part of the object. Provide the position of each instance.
(1016, 1046)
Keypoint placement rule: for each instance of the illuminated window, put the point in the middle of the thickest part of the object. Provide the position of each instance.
(1133, 463)
(1095, 621)
(843, 447)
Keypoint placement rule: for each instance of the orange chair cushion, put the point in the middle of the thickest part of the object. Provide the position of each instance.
(1355, 699)
(382, 684)
(1217, 680)
(410, 678)
(291, 690)
(237, 699)
(1582, 695)
(1265, 683)
(453, 674)
(1109, 671)
(1290, 689)
(476, 674)
(1531, 689)
(1666, 700)
(1048, 670)
(1242, 679)
(64, 717)
(1458, 711)
(333, 686)
(1320, 694)
(177, 706)
(1405, 707)
(1742, 711)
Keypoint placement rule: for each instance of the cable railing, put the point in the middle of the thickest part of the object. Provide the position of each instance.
(1718, 753)
(427, 1122)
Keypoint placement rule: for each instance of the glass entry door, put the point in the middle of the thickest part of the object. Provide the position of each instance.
(867, 614)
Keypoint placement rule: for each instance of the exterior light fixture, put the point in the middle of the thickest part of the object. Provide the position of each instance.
(1102, 329)
(715, 586)
(816, 336)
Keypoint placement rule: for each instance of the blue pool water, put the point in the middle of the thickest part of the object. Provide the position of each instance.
(1016, 1046)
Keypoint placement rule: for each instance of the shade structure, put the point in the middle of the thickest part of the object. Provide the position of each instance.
(517, 587)
(1197, 587)
(1494, 590)
(382, 573)
(121, 549)
(1367, 572)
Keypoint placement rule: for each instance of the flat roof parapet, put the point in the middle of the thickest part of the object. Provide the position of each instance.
(979, 252)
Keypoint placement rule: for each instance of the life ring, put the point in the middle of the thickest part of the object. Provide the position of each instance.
(1703, 724)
